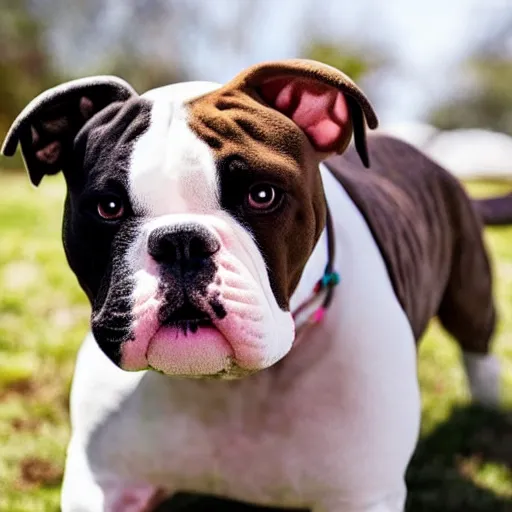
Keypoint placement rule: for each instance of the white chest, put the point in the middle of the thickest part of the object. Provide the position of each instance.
(269, 439)
(335, 421)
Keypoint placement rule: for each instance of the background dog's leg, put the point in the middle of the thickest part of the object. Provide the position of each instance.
(467, 309)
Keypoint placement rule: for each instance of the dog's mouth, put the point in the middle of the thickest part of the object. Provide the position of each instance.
(185, 342)
(187, 318)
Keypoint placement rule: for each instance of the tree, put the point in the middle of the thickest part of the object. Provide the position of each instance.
(487, 104)
(355, 61)
(485, 100)
(25, 68)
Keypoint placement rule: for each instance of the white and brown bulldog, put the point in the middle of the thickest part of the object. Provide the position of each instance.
(209, 237)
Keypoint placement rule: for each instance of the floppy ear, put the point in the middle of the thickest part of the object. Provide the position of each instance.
(325, 103)
(49, 124)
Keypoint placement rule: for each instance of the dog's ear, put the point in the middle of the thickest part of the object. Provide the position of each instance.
(325, 103)
(49, 124)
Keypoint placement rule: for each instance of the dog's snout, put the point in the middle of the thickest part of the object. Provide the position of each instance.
(186, 245)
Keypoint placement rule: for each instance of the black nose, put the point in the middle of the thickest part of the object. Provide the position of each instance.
(187, 246)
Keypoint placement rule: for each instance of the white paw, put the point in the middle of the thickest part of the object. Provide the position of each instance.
(483, 374)
(134, 499)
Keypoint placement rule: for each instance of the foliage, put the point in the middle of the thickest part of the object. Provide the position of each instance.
(25, 67)
(487, 103)
(484, 96)
(356, 62)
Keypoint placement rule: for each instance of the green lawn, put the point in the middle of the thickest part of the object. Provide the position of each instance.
(463, 463)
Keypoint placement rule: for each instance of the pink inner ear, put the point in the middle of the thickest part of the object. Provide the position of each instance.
(50, 153)
(86, 107)
(319, 110)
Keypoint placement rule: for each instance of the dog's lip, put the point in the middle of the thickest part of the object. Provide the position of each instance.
(187, 316)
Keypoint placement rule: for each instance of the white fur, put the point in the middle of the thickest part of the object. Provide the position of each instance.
(182, 91)
(173, 180)
(171, 170)
(332, 426)
(483, 374)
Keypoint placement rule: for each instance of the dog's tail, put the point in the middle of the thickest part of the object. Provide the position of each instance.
(495, 211)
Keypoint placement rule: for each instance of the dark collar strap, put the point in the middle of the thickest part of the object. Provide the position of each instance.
(328, 281)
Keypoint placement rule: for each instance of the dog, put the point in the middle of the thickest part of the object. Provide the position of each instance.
(258, 286)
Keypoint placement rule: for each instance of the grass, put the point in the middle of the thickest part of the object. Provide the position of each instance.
(463, 462)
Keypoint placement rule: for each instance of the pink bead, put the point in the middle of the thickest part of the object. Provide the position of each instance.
(318, 315)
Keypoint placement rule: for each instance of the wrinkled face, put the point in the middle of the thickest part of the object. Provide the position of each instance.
(192, 210)
(188, 223)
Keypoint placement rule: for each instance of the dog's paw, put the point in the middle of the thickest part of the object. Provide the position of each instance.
(483, 373)
(143, 498)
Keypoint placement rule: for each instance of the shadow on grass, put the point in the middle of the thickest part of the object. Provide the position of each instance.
(444, 473)
(450, 463)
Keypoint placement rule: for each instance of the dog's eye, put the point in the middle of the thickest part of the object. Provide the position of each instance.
(110, 208)
(264, 197)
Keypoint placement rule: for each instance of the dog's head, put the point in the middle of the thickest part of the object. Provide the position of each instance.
(192, 210)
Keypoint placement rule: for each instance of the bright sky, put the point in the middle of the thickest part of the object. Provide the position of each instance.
(427, 38)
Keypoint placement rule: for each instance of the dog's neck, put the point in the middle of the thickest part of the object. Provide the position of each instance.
(313, 272)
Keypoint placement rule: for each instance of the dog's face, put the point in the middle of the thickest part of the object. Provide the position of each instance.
(192, 210)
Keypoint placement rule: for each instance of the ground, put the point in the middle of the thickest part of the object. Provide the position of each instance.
(463, 462)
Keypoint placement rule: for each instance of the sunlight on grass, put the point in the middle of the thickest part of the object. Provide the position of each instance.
(495, 477)
(44, 317)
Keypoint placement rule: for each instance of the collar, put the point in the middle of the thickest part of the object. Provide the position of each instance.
(326, 283)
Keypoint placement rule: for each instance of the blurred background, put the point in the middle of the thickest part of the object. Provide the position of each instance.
(439, 74)
(445, 62)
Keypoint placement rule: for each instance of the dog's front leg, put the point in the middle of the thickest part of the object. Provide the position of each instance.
(80, 491)
(133, 498)
(83, 492)
(111, 497)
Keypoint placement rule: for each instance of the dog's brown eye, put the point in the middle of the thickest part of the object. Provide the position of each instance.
(110, 208)
(263, 197)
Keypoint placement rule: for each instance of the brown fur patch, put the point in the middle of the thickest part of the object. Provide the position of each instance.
(252, 143)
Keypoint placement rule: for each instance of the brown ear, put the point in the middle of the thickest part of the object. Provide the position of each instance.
(325, 103)
(49, 124)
